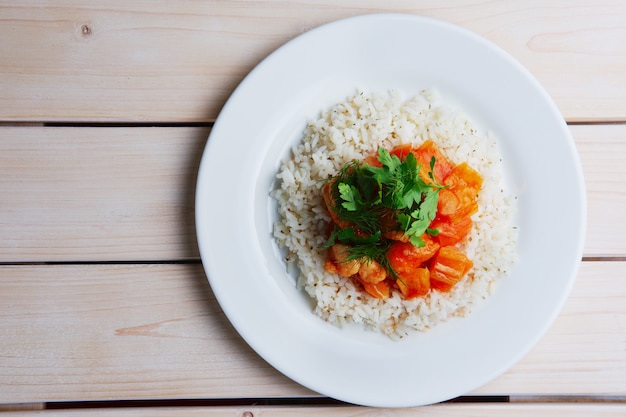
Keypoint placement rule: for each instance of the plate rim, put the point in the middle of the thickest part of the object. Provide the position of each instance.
(210, 145)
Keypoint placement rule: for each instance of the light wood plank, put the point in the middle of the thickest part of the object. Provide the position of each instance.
(113, 194)
(102, 332)
(443, 410)
(570, 358)
(166, 61)
(602, 150)
(98, 194)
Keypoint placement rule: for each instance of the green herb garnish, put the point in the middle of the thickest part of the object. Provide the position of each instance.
(378, 200)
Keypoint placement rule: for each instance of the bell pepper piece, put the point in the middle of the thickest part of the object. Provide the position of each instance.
(447, 268)
(443, 167)
(449, 233)
(405, 257)
(415, 283)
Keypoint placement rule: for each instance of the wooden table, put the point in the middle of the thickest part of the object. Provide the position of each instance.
(104, 113)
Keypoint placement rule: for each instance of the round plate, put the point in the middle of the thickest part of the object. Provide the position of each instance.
(265, 117)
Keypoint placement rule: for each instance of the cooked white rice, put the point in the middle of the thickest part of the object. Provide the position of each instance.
(352, 130)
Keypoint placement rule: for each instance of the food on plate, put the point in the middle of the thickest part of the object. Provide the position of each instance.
(387, 214)
(395, 212)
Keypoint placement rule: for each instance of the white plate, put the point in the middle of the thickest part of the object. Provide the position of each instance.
(266, 115)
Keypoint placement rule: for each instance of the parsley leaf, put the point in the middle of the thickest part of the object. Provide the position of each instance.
(416, 223)
(350, 195)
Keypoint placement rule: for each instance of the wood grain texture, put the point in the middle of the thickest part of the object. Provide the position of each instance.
(100, 295)
(443, 410)
(570, 358)
(127, 194)
(106, 332)
(103, 332)
(147, 61)
(98, 194)
(603, 157)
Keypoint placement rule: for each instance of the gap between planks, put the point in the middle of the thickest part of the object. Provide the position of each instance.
(206, 123)
(301, 402)
(198, 261)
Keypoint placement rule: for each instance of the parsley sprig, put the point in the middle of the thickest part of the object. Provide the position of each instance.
(375, 200)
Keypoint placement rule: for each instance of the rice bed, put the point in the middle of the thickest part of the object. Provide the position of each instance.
(357, 128)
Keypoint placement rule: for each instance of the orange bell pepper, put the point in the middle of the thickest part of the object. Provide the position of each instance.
(447, 268)
(443, 166)
(451, 233)
(463, 175)
(459, 199)
(405, 257)
(415, 283)
(448, 203)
